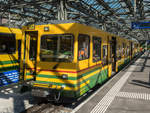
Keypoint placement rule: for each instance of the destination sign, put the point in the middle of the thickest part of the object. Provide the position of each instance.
(140, 25)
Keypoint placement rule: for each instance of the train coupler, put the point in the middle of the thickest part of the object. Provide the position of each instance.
(50, 94)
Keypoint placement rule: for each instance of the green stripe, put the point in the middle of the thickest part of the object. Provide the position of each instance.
(87, 73)
(55, 76)
(54, 83)
(69, 78)
(28, 74)
(97, 75)
(97, 78)
(10, 68)
(9, 62)
(79, 83)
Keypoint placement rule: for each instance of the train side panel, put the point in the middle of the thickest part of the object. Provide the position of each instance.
(92, 73)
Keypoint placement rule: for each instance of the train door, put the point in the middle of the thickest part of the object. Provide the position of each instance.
(30, 54)
(113, 54)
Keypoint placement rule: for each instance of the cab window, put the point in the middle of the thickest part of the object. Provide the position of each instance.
(57, 48)
(83, 47)
(96, 49)
(7, 43)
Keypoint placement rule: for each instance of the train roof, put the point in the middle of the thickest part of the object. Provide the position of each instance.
(62, 22)
(72, 22)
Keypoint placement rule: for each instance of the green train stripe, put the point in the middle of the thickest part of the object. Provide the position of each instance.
(4, 69)
(103, 72)
(97, 75)
(96, 78)
(60, 84)
(70, 78)
(55, 76)
(9, 62)
(28, 74)
(82, 75)
(29, 78)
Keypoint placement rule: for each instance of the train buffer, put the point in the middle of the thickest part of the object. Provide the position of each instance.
(128, 91)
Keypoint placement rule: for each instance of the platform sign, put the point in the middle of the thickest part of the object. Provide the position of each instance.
(140, 25)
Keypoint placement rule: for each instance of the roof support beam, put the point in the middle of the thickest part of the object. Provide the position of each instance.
(140, 8)
(129, 6)
(86, 9)
(105, 5)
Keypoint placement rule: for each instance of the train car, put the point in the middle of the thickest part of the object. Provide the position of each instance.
(135, 49)
(10, 43)
(68, 59)
(123, 50)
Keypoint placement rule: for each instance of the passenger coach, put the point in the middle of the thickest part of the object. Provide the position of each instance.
(68, 59)
(10, 51)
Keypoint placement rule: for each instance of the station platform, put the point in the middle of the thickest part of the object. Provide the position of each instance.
(12, 101)
(127, 92)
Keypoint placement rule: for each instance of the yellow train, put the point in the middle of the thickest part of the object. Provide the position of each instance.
(10, 51)
(68, 59)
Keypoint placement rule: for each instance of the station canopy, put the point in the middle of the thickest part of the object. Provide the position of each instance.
(114, 16)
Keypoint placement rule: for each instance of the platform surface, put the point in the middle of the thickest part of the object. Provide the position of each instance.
(126, 92)
(12, 101)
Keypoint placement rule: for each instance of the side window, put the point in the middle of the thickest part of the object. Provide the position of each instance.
(123, 49)
(83, 47)
(7, 43)
(96, 49)
(105, 54)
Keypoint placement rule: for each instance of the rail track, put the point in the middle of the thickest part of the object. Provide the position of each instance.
(47, 108)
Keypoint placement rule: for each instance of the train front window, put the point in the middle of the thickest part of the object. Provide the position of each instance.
(56, 48)
(7, 43)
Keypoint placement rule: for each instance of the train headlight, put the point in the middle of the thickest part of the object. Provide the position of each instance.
(64, 76)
